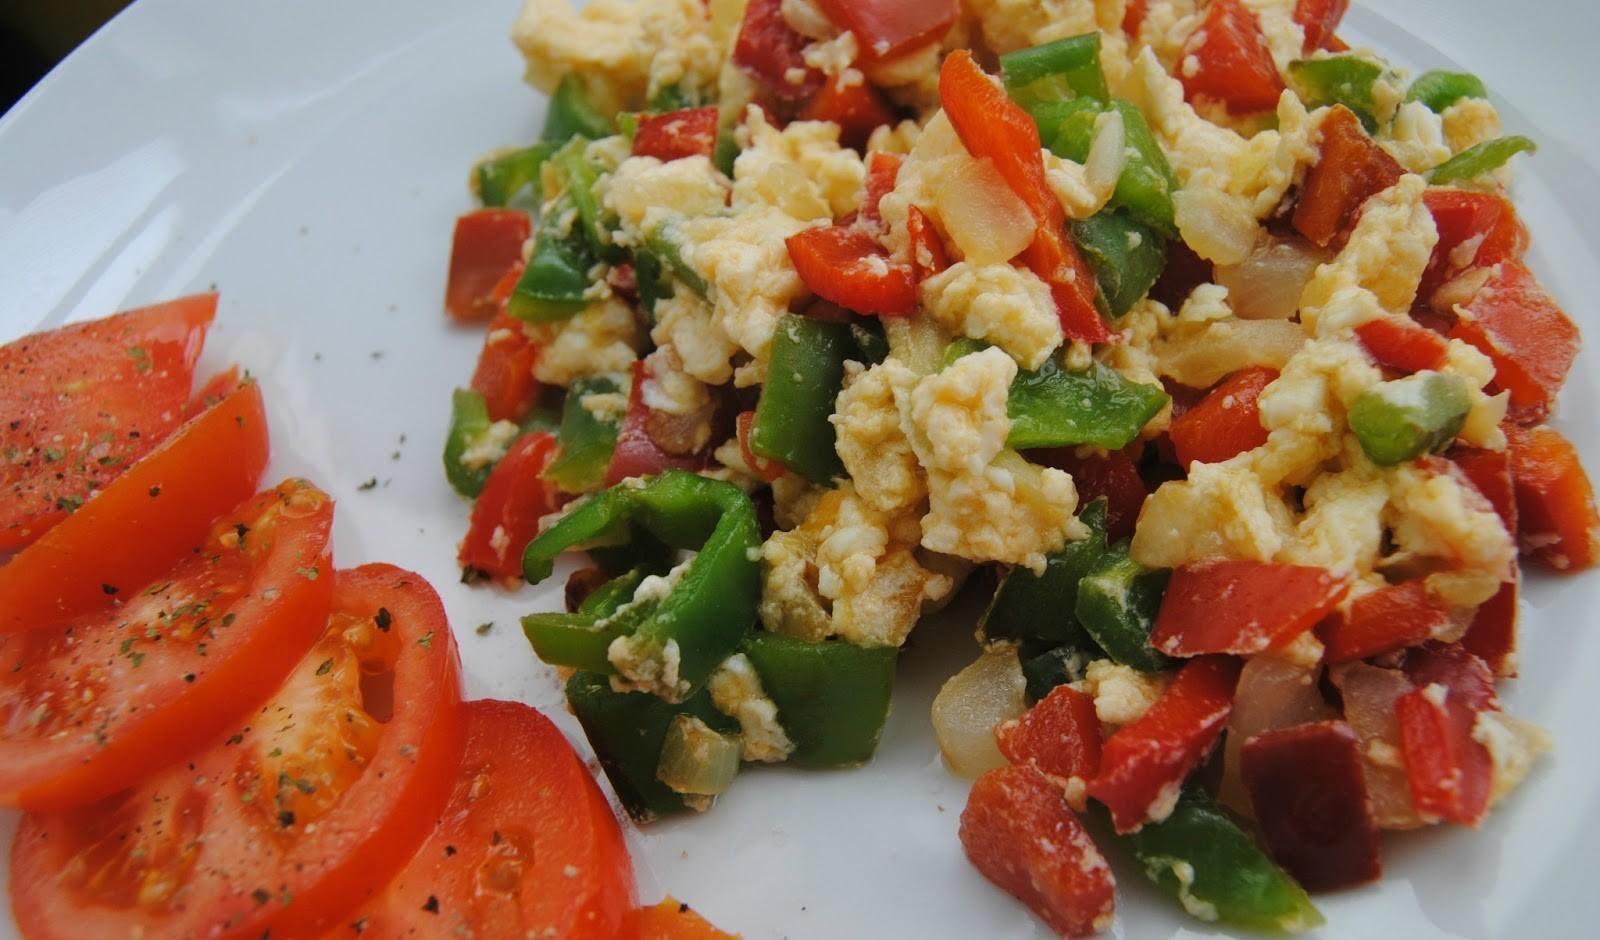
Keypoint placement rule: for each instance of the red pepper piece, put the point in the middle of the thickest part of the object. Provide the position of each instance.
(1386, 620)
(1350, 170)
(506, 516)
(1448, 770)
(928, 254)
(1490, 473)
(1403, 344)
(486, 243)
(1320, 19)
(768, 470)
(1557, 521)
(769, 48)
(504, 374)
(687, 133)
(1143, 765)
(1227, 422)
(637, 454)
(1519, 326)
(883, 171)
(1184, 271)
(1113, 476)
(1310, 798)
(1234, 63)
(1133, 17)
(847, 266)
(1462, 215)
(1492, 637)
(856, 107)
(993, 126)
(1242, 607)
(885, 29)
(1060, 736)
(1020, 833)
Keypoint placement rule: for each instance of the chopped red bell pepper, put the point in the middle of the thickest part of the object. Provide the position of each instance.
(1113, 476)
(768, 470)
(1242, 607)
(885, 29)
(883, 171)
(486, 242)
(1388, 619)
(1310, 798)
(1556, 518)
(1350, 170)
(1020, 833)
(506, 516)
(504, 375)
(688, 133)
(857, 107)
(1490, 473)
(994, 127)
(1492, 637)
(769, 48)
(1226, 423)
(637, 454)
(1060, 736)
(928, 254)
(1519, 326)
(1320, 19)
(1402, 344)
(1448, 770)
(1143, 765)
(1133, 17)
(1231, 60)
(1461, 216)
(847, 266)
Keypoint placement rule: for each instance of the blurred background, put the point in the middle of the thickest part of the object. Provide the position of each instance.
(36, 34)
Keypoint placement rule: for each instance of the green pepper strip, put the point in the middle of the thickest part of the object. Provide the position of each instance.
(654, 284)
(1062, 69)
(871, 341)
(1402, 420)
(1147, 182)
(1201, 857)
(1055, 666)
(1479, 159)
(1117, 605)
(1054, 407)
(586, 439)
(469, 419)
(711, 608)
(573, 113)
(665, 243)
(1027, 606)
(582, 640)
(1346, 79)
(581, 178)
(1439, 90)
(832, 698)
(557, 277)
(1127, 256)
(792, 423)
(500, 179)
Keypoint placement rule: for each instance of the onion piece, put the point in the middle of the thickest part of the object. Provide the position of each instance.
(986, 219)
(1267, 285)
(697, 760)
(1224, 347)
(972, 704)
(1214, 224)
(1369, 696)
(1272, 694)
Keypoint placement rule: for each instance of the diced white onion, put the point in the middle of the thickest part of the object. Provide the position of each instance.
(1215, 225)
(1267, 285)
(972, 703)
(986, 220)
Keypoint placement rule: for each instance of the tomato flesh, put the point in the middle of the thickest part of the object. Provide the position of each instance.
(504, 374)
(1242, 607)
(1462, 215)
(1449, 770)
(769, 48)
(1557, 519)
(1518, 325)
(506, 516)
(674, 920)
(928, 254)
(691, 132)
(847, 266)
(486, 242)
(1350, 169)
(888, 28)
(1060, 735)
(1227, 422)
(883, 171)
(1233, 63)
(1388, 619)
(858, 109)
(1320, 19)
(1403, 344)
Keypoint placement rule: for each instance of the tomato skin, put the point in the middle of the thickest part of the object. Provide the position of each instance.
(1320, 19)
(1060, 735)
(688, 133)
(1557, 519)
(134, 529)
(674, 920)
(486, 242)
(1227, 422)
(888, 28)
(1350, 169)
(1242, 607)
(1234, 62)
(1516, 323)
(524, 805)
(84, 402)
(513, 501)
(847, 266)
(504, 374)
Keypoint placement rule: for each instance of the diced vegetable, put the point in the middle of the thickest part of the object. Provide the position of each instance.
(1557, 520)
(1117, 605)
(1464, 215)
(1517, 324)
(1268, 283)
(1145, 187)
(1027, 606)
(1492, 635)
(1127, 257)
(469, 421)
(1320, 19)
(507, 513)
(1232, 62)
(972, 704)
(886, 29)
(981, 214)
(1479, 159)
(769, 48)
(697, 760)
(1226, 423)
(1401, 420)
(674, 920)
(1350, 170)
(688, 133)
(504, 373)
(1066, 68)
(1384, 621)
(498, 180)
(634, 452)
(587, 438)
(1242, 607)
(1055, 667)
(883, 171)
(792, 423)
(928, 255)
(1056, 407)
(768, 470)
(1112, 477)
(574, 113)
(832, 697)
(1369, 695)
(1450, 771)
(857, 107)
(1272, 693)
(1344, 79)
(664, 243)
(847, 266)
(1403, 344)
(1060, 736)
(486, 243)
(1439, 89)
(582, 179)
(552, 287)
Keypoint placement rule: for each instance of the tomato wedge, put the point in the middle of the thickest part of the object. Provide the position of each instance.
(1233, 63)
(284, 827)
(846, 265)
(526, 847)
(81, 404)
(506, 516)
(1227, 422)
(134, 529)
(487, 241)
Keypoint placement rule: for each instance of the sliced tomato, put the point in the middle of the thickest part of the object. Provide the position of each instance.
(847, 266)
(857, 107)
(768, 470)
(81, 404)
(280, 829)
(928, 254)
(92, 704)
(1320, 19)
(993, 126)
(1060, 736)
(526, 847)
(885, 29)
(1242, 607)
(1227, 422)
(1386, 620)
(135, 528)
(1516, 323)
(1350, 169)
(1020, 833)
(691, 132)
(1143, 764)
(212, 393)
(1463, 217)
(769, 48)
(1557, 521)
(1449, 770)
(1402, 344)
(1113, 476)
(674, 920)
(637, 454)
(504, 374)
(487, 241)
(1231, 60)
(506, 516)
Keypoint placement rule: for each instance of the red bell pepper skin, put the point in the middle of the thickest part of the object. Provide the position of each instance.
(1019, 832)
(856, 107)
(677, 134)
(1461, 215)
(768, 470)
(486, 242)
(883, 171)
(637, 454)
(1060, 736)
(847, 266)
(504, 374)
(1242, 607)
(1133, 17)
(1113, 476)
(993, 126)
(1234, 62)
(1310, 799)
(1519, 326)
(1143, 765)
(1388, 619)
(1448, 770)
(506, 516)
(1226, 423)
(1350, 170)
(1557, 521)
(1402, 344)
(1490, 473)
(928, 254)
(885, 29)
(1320, 19)
(769, 48)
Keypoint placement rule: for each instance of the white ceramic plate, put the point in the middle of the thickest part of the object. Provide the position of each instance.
(308, 158)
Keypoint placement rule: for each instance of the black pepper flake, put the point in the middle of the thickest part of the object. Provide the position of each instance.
(370, 484)
(286, 818)
(359, 926)
(109, 588)
(155, 491)
(261, 895)
(384, 619)
(188, 677)
(449, 851)
(683, 908)
(484, 628)
(432, 905)
(327, 664)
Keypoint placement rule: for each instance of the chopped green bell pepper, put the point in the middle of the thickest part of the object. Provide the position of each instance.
(553, 286)
(1065, 68)
(792, 423)
(653, 282)
(672, 98)
(1343, 79)
(469, 420)
(500, 179)
(1054, 407)
(1117, 605)
(1147, 182)
(1401, 420)
(580, 640)
(1439, 90)
(581, 178)
(586, 438)
(1201, 857)
(727, 151)
(574, 113)
(1027, 606)
(832, 697)
(1127, 256)
(667, 245)
(1059, 665)
(1479, 159)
